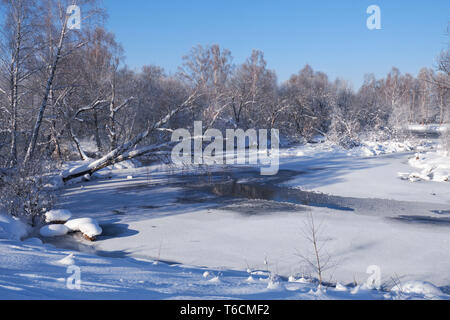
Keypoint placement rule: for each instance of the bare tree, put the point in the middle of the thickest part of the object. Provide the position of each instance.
(317, 259)
(56, 54)
(127, 150)
(207, 71)
(18, 45)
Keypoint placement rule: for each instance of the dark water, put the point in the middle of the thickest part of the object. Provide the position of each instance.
(248, 185)
(247, 192)
(278, 194)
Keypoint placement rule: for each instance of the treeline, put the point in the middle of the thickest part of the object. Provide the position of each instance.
(60, 87)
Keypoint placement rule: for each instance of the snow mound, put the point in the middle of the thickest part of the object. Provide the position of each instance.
(418, 287)
(33, 242)
(87, 226)
(340, 287)
(12, 228)
(371, 148)
(57, 216)
(54, 230)
(434, 166)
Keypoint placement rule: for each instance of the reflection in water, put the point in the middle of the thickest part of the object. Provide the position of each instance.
(279, 194)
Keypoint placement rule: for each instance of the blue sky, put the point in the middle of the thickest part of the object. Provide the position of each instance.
(329, 35)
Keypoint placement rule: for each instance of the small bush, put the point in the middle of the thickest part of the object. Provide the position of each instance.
(23, 193)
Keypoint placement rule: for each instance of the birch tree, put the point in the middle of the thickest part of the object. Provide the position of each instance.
(17, 52)
(57, 27)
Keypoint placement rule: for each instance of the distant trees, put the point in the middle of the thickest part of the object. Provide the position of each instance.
(442, 83)
(252, 92)
(310, 98)
(206, 70)
(67, 95)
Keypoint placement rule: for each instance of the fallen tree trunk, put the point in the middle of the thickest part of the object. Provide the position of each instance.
(109, 160)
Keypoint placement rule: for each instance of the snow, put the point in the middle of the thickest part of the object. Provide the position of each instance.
(69, 260)
(57, 216)
(340, 287)
(55, 183)
(433, 166)
(370, 148)
(418, 287)
(31, 270)
(12, 228)
(430, 128)
(42, 272)
(383, 232)
(397, 225)
(87, 226)
(54, 230)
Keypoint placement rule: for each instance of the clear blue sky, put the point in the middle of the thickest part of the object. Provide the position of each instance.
(330, 35)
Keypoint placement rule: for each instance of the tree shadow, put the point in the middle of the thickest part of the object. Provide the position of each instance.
(426, 220)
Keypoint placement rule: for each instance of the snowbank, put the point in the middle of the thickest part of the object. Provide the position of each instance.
(54, 230)
(434, 166)
(87, 226)
(429, 128)
(12, 228)
(57, 216)
(418, 287)
(370, 148)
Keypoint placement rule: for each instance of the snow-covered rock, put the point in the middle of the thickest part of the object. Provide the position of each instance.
(87, 226)
(54, 230)
(58, 216)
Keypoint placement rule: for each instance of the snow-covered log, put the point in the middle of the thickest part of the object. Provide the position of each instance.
(109, 160)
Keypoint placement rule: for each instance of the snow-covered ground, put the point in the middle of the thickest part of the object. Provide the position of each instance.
(228, 247)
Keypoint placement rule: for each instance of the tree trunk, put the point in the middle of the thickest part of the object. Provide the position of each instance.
(37, 126)
(98, 141)
(15, 63)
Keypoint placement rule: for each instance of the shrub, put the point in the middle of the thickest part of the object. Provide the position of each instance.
(23, 192)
